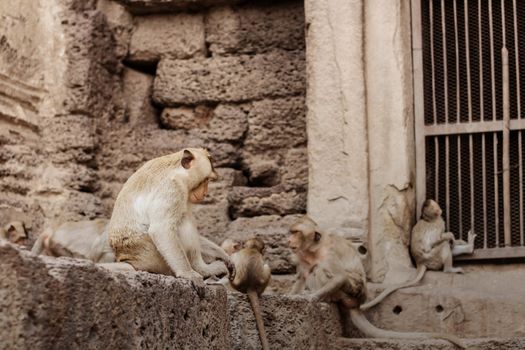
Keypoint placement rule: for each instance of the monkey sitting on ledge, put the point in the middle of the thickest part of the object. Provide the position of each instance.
(152, 227)
(431, 247)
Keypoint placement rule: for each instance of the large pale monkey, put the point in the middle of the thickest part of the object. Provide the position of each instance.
(152, 228)
(431, 247)
(331, 270)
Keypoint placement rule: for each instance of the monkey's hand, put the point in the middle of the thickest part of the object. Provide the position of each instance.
(231, 269)
(195, 278)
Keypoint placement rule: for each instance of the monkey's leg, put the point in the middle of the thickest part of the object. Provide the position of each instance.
(117, 266)
(334, 284)
(446, 256)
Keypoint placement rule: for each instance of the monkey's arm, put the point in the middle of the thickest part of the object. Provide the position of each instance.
(213, 250)
(165, 235)
(445, 237)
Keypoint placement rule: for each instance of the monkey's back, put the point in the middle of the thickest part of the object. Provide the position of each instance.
(250, 266)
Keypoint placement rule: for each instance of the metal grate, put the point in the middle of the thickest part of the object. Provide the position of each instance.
(469, 143)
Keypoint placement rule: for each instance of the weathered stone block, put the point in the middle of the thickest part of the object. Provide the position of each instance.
(176, 36)
(162, 6)
(290, 323)
(273, 229)
(255, 29)
(253, 201)
(54, 303)
(276, 123)
(137, 88)
(223, 123)
(229, 79)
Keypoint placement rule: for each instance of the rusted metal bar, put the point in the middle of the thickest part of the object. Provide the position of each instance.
(445, 65)
(484, 181)
(518, 101)
(506, 134)
(467, 52)
(456, 47)
(436, 150)
(434, 107)
(460, 198)
(447, 182)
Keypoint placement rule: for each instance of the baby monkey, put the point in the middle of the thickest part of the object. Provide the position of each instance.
(251, 277)
(431, 247)
(331, 269)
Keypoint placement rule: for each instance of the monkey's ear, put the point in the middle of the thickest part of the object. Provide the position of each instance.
(237, 246)
(187, 157)
(317, 236)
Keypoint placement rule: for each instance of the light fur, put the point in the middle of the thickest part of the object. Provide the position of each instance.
(152, 226)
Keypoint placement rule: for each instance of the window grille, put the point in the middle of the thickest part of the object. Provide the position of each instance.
(469, 63)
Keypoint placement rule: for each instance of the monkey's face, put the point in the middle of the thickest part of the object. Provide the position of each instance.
(304, 237)
(431, 210)
(198, 164)
(198, 194)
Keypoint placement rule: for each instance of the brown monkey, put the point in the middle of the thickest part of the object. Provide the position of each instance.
(87, 239)
(14, 232)
(251, 277)
(431, 247)
(152, 228)
(330, 268)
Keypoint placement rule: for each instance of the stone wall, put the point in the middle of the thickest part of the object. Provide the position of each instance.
(117, 87)
(230, 78)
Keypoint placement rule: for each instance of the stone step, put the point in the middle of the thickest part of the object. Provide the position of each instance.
(398, 344)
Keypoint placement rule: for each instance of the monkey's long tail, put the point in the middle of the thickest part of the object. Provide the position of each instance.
(420, 272)
(254, 302)
(361, 322)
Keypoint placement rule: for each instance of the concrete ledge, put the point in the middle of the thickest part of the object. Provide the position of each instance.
(64, 303)
(484, 302)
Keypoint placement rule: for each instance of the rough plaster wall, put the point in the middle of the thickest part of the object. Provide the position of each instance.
(50, 51)
(360, 127)
(337, 134)
(390, 136)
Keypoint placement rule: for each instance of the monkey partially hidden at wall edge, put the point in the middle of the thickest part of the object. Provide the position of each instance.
(252, 276)
(14, 232)
(152, 227)
(431, 247)
(330, 269)
(85, 239)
